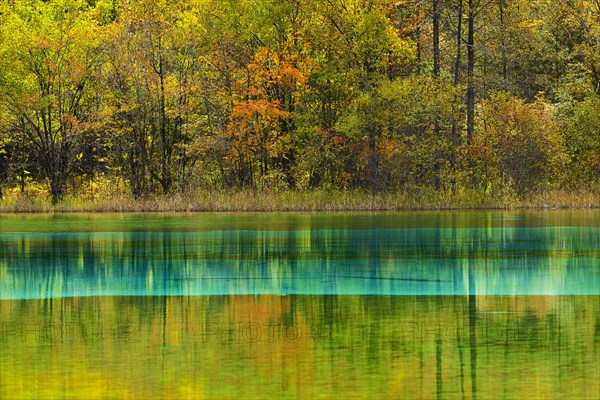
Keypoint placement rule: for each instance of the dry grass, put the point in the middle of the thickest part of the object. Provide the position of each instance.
(314, 200)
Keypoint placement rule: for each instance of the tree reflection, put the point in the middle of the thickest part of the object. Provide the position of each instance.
(304, 346)
(451, 260)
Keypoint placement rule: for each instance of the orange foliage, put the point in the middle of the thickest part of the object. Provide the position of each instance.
(272, 70)
(256, 126)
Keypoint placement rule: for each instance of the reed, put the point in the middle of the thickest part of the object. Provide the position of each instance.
(311, 200)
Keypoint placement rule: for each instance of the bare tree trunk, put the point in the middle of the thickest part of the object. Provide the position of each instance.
(165, 146)
(455, 133)
(502, 40)
(458, 43)
(58, 183)
(436, 39)
(373, 158)
(436, 73)
(470, 73)
(456, 139)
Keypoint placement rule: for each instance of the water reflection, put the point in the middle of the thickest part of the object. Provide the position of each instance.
(405, 305)
(558, 260)
(301, 346)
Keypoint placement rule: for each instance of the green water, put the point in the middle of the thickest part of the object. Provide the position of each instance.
(398, 305)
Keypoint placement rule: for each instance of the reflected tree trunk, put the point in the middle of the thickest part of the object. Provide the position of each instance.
(438, 365)
(472, 330)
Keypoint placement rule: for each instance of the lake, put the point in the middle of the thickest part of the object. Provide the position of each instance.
(301, 305)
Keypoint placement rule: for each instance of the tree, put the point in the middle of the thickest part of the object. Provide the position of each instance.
(53, 52)
(472, 12)
(373, 52)
(413, 117)
(525, 141)
(582, 135)
(152, 78)
(374, 94)
(4, 163)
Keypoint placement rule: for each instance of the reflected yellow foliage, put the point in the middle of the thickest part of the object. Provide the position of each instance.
(300, 347)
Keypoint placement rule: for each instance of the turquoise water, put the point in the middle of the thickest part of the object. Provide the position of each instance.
(380, 254)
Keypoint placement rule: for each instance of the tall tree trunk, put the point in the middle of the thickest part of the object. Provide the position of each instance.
(470, 73)
(58, 184)
(458, 43)
(436, 39)
(456, 139)
(165, 173)
(436, 73)
(54, 161)
(416, 35)
(502, 40)
(455, 133)
(373, 158)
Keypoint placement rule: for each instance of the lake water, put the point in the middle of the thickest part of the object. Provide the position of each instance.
(282, 305)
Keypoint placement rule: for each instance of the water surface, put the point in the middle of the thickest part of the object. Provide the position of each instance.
(281, 305)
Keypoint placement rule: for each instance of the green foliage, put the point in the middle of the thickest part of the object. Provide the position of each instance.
(582, 133)
(322, 160)
(410, 119)
(525, 141)
(171, 96)
(52, 57)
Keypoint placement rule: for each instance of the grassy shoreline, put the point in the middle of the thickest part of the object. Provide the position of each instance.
(316, 200)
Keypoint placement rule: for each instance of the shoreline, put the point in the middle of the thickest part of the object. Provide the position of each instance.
(301, 201)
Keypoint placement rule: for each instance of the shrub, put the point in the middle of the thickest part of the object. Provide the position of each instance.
(525, 141)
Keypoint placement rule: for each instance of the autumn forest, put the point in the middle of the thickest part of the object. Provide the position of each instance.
(157, 97)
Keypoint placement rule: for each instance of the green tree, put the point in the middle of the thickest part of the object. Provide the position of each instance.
(582, 135)
(152, 92)
(372, 51)
(525, 141)
(53, 51)
(414, 118)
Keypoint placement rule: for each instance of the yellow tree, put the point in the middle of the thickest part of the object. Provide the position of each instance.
(53, 51)
(525, 142)
(373, 51)
(152, 77)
